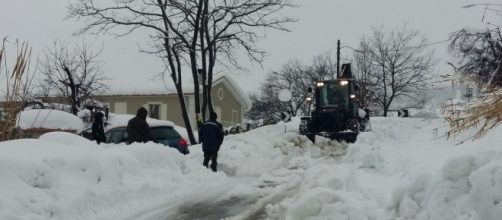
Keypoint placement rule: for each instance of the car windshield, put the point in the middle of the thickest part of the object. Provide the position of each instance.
(117, 135)
(161, 133)
(333, 94)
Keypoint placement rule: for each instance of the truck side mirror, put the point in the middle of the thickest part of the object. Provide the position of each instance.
(309, 90)
(356, 87)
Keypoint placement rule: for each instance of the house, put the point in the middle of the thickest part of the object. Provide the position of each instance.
(229, 101)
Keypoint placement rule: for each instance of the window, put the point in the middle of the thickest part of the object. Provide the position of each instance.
(220, 93)
(163, 133)
(154, 110)
(235, 116)
(121, 107)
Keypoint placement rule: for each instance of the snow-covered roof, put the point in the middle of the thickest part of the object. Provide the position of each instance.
(149, 87)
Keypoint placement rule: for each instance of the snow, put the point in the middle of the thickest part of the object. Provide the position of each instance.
(402, 169)
(49, 118)
(116, 120)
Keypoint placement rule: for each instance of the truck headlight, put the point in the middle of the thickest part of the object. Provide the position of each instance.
(344, 82)
(320, 84)
(352, 96)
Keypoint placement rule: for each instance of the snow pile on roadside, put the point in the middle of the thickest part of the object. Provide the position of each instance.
(400, 171)
(466, 182)
(55, 178)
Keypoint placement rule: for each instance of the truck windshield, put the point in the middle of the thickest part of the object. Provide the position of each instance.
(334, 94)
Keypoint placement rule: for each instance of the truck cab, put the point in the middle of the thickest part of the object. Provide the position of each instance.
(336, 112)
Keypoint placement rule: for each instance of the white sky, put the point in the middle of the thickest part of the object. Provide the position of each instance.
(321, 23)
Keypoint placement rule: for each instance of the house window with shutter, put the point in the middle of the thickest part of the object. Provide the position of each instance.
(154, 111)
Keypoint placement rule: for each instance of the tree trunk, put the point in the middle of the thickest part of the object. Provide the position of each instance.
(184, 114)
(73, 91)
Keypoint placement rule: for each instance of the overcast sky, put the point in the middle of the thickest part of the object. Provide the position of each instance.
(321, 23)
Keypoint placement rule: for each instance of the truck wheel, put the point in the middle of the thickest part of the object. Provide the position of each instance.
(351, 139)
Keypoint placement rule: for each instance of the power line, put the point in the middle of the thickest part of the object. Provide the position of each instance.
(421, 46)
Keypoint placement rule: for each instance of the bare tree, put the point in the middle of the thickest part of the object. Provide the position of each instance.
(479, 55)
(322, 68)
(364, 69)
(489, 9)
(401, 64)
(72, 72)
(230, 25)
(267, 105)
(296, 78)
(195, 33)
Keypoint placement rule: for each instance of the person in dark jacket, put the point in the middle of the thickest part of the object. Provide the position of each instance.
(211, 136)
(98, 131)
(137, 128)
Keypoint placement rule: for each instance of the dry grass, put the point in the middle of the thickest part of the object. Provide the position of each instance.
(18, 87)
(482, 115)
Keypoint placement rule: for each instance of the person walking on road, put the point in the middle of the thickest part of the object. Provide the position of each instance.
(137, 128)
(98, 131)
(211, 135)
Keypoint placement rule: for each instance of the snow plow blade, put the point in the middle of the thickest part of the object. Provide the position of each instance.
(349, 136)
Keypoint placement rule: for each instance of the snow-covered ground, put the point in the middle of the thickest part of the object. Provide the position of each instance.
(402, 169)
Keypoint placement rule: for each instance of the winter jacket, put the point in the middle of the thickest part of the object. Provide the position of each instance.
(137, 128)
(98, 132)
(211, 135)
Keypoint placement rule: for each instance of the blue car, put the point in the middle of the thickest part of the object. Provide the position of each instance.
(161, 134)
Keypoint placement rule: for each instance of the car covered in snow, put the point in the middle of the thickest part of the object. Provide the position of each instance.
(161, 131)
(162, 134)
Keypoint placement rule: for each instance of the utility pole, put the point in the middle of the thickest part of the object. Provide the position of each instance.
(338, 59)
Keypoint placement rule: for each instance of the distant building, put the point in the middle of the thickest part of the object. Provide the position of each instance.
(229, 102)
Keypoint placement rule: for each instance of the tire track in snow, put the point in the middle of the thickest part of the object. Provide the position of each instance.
(238, 207)
(270, 188)
(273, 192)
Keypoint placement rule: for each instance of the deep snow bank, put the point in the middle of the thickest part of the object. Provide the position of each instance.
(62, 176)
(400, 170)
(453, 181)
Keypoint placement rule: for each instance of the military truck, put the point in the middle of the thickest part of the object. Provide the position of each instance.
(336, 114)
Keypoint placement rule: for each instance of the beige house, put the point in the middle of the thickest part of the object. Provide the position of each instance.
(229, 102)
